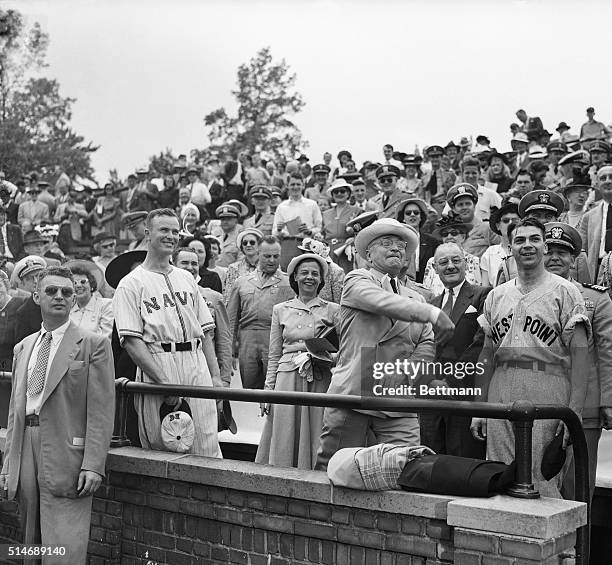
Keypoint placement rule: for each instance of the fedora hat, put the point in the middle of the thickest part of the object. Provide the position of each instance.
(386, 226)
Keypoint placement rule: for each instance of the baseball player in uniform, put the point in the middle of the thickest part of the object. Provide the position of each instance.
(535, 348)
(545, 206)
(166, 327)
(564, 243)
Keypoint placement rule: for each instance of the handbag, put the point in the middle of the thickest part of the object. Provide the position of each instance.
(459, 476)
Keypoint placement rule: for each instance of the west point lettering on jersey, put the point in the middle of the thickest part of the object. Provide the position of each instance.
(155, 303)
(532, 325)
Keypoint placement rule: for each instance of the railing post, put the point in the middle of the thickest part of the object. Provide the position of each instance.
(523, 486)
(119, 438)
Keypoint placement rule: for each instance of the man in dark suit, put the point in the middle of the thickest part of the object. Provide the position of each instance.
(11, 239)
(234, 178)
(60, 423)
(462, 301)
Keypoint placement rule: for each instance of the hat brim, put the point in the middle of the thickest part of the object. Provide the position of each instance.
(367, 235)
(293, 264)
(401, 207)
(122, 265)
(88, 266)
(465, 228)
(496, 216)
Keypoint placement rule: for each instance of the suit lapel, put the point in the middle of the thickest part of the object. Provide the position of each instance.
(21, 377)
(463, 301)
(61, 361)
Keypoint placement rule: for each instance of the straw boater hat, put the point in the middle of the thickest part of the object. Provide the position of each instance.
(248, 231)
(386, 226)
(293, 264)
(339, 183)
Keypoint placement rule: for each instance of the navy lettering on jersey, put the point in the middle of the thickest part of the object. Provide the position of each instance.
(151, 304)
(540, 329)
(168, 301)
(154, 304)
(500, 329)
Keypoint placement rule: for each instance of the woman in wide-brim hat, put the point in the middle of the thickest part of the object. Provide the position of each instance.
(91, 311)
(124, 366)
(334, 279)
(414, 212)
(451, 229)
(336, 218)
(290, 437)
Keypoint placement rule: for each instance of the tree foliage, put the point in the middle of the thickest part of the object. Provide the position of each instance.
(267, 102)
(35, 132)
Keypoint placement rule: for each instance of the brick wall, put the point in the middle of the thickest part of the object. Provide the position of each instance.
(177, 522)
(157, 508)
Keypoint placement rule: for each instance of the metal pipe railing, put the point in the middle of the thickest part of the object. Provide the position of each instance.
(521, 413)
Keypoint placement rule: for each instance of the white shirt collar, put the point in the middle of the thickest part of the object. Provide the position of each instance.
(57, 334)
(456, 289)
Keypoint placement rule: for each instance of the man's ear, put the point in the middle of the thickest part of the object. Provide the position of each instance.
(36, 297)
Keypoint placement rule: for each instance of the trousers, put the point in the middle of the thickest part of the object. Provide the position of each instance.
(47, 519)
(253, 357)
(349, 428)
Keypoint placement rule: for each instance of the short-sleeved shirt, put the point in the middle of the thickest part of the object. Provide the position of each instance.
(536, 326)
(160, 307)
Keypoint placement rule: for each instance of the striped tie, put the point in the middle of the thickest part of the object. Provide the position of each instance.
(36, 382)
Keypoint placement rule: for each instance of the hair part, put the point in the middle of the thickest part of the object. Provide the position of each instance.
(160, 213)
(54, 272)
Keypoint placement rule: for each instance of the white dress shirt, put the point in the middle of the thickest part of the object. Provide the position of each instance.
(33, 403)
(7, 251)
(456, 291)
(306, 209)
(604, 219)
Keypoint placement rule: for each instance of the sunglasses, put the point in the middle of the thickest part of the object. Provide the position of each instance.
(82, 281)
(67, 291)
(249, 242)
(340, 191)
(412, 213)
(451, 232)
(386, 180)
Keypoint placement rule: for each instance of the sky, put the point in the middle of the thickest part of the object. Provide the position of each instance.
(145, 73)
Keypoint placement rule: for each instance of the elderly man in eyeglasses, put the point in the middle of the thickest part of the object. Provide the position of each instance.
(382, 323)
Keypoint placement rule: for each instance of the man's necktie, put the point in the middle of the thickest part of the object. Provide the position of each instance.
(36, 382)
(432, 185)
(257, 217)
(609, 229)
(2, 244)
(394, 285)
(448, 306)
(225, 236)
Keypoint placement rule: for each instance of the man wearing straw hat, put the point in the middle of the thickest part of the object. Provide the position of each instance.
(380, 321)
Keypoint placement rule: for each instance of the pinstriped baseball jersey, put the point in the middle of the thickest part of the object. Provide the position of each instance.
(160, 307)
(536, 326)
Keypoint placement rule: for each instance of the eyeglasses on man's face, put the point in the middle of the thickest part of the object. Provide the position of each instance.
(455, 261)
(386, 180)
(66, 291)
(388, 243)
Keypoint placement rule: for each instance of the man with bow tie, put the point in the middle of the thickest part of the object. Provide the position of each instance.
(381, 321)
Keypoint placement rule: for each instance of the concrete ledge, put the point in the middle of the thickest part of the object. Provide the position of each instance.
(542, 518)
(287, 482)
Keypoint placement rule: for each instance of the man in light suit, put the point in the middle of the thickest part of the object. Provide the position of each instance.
(595, 227)
(446, 433)
(60, 423)
(381, 321)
